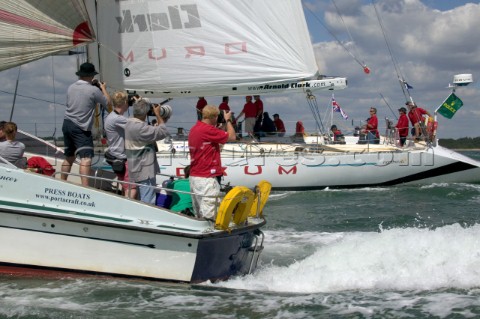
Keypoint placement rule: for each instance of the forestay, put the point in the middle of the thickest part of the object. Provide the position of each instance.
(33, 29)
(205, 47)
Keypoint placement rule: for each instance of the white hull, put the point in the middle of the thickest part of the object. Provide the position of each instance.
(334, 166)
(26, 247)
(50, 224)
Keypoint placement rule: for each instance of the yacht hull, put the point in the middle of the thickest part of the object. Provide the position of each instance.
(303, 170)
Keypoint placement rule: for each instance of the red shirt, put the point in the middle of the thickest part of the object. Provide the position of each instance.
(279, 125)
(224, 106)
(250, 110)
(415, 115)
(259, 107)
(201, 104)
(299, 129)
(373, 124)
(204, 143)
(402, 125)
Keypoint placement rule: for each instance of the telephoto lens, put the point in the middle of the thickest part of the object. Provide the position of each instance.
(165, 111)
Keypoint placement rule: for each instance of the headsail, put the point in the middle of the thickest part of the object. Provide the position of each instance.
(206, 47)
(33, 29)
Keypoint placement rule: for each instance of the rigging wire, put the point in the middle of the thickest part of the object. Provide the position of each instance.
(365, 68)
(384, 100)
(15, 94)
(362, 64)
(30, 97)
(54, 103)
(312, 103)
(403, 84)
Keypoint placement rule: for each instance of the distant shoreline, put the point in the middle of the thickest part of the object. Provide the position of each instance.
(466, 149)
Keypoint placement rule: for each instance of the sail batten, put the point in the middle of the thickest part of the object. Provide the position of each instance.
(33, 29)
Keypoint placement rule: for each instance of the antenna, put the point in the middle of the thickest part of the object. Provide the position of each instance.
(461, 80)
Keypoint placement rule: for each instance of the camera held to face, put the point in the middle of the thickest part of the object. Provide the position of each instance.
(132, 98)
(221, 118)
(96, 83)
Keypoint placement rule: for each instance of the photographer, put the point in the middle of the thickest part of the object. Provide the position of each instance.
(82, 98)
(140, 142)
(206, 166)
(115, 130)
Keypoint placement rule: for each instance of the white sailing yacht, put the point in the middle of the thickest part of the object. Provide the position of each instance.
(174, 49)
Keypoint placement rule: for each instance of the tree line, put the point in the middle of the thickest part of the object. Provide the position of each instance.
(463, 143)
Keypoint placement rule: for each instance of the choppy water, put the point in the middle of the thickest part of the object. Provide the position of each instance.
(404, 251)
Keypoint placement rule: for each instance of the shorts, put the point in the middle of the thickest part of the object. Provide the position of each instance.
(205, 198)
(124, 178)
(77, 141)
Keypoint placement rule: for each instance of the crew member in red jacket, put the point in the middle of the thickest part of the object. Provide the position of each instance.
(402, 125)
(416, 117)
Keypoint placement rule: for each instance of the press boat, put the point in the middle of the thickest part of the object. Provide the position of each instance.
(50, 225)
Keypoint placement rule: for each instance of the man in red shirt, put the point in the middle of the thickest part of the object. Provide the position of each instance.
(250, 111)
(259, 117)
(224, 105)
(416, 117)
(402, 125)
(371, 128)
(279, 125)
(205, 164)
(201, 103)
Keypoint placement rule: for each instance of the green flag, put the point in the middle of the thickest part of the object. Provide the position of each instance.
(450, 106)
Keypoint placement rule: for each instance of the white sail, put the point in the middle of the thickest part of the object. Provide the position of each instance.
(205, 47)
(30, 30)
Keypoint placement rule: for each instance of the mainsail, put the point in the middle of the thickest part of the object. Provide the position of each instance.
(33, 29)
(178, 48)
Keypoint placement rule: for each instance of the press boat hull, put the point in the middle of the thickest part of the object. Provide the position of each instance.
(50, 224)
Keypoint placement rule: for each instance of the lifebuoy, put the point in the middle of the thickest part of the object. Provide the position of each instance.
(262, 193)
(243, 208)
(238, 203)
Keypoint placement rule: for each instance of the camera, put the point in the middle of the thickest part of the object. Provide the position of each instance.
(132, 98)
(96, 83)
(221, 118)
(165, 111)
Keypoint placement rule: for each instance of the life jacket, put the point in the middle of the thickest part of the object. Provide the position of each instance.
(41, 164)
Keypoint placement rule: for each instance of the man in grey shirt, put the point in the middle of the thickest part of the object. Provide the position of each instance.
(82, 98)
(115, 129)
(140, 139)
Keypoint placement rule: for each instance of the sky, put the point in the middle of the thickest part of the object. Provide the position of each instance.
(430, 40)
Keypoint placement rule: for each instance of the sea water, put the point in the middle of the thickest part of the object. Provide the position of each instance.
(389, 252)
